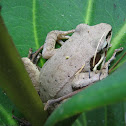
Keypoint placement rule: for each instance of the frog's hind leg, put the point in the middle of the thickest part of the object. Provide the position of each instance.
(84, 79)
(31, 67)
(51, 39)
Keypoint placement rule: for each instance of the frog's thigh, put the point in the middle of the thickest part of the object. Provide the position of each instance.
(51, 39)
(84, 79)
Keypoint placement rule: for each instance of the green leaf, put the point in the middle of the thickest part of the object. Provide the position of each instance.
(30, 21)
(112, 115)
(6, 108)
(109, 90)
(16, 83)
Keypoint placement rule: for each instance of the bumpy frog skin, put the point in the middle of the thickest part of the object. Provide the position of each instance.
(59, 75)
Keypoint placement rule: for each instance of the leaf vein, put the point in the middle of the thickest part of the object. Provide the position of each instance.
(34, 24)
(89, 11)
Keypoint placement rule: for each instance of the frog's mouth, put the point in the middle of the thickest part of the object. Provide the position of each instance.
(98, 60)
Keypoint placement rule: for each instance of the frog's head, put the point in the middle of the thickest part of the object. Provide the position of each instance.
(103, 44)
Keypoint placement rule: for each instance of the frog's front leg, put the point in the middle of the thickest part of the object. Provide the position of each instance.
(85, 79)
(51, 39)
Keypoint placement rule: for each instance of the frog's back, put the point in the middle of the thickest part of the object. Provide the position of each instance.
(61, 67)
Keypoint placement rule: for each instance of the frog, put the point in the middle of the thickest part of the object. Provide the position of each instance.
(59, 75)
(79, 62)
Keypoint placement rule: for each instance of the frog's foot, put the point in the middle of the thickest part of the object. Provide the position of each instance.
(51, 39)
(35, 56)
(63, 34)
(107, 64)
(114, 54)
(104, 70)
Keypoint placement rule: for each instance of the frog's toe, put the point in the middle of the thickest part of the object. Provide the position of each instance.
(64, 37)
(35, 56)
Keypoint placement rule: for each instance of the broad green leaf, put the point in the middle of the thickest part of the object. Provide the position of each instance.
(112, 115)
(14, 80)
(109, 90)
(29, 21)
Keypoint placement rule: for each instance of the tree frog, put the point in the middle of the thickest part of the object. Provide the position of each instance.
(59, 74)
(80, 60)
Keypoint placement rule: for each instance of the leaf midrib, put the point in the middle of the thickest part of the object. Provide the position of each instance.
(34, 24)
(89, 12)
